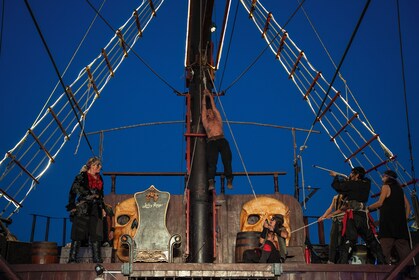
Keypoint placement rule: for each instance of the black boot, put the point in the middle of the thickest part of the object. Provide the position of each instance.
(96, 252)
(74, 250)
(378, 252)
(380, 258)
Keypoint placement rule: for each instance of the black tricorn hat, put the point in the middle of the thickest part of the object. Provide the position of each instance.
(359, 170)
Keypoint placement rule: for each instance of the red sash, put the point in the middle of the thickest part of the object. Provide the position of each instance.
(348, 215)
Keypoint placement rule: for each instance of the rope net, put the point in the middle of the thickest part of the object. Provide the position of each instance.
(23, 166)
(342, 119)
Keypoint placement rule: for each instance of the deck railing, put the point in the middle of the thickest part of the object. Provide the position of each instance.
(47, 227)
(114, 175)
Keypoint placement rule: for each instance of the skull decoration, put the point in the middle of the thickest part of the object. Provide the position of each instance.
(256, 211)
(126, 222)
(152, 196)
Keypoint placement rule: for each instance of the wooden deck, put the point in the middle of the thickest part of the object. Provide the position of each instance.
(200, 271)
(291, 271)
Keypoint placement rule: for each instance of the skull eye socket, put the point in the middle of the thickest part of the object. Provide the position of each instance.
(253, 219)
(123, 219)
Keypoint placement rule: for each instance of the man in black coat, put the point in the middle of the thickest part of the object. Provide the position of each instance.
(357, 221)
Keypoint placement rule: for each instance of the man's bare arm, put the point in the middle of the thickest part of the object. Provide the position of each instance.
(211, 98)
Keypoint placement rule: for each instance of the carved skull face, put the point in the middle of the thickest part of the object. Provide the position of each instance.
(256, 211)
(126, 222)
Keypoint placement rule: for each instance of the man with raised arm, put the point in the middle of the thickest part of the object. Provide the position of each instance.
(216, 142)
(356, 189)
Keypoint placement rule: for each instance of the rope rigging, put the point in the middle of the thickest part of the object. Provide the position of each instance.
(409, 138)
(239, 77)
(355, 139)
(338, 67)
(236, 80)
(71, 61)
(336, 74)
(229, 46)
(262, 52)
(133, 51)
(24, 164)
(347, 89)
(57, 72)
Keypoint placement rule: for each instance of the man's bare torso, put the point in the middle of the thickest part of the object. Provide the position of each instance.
(213, 125)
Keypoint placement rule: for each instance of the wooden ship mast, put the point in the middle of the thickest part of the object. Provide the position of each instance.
(199, 65)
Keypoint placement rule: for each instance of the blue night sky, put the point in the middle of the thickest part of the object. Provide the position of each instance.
(264, 94)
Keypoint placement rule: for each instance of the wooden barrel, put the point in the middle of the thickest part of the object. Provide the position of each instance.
(44, 252)
(246, 240)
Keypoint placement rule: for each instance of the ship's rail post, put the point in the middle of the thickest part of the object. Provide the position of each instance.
(114, 175)
(320, 228)
(47, 226)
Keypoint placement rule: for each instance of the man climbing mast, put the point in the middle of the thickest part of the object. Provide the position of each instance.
(216, 142)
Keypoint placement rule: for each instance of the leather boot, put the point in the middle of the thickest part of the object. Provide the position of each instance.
(380, 258)
(96, 252)
(74, 250)
(378, 252)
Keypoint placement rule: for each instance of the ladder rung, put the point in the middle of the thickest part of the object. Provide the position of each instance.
(413, 181)
(281, 45)
(41, 145)
(22, 167)
(8, 197)
(105, 56)
(312, 85)
(361, 148)
(380, 164)
(72, 97)
(59, 123)
(92, 81)
(268, 19)
(328, 106)
(296, 64)
(152, 7)
(252, 8)
(343, 127)
(137, 22)
(122, 42)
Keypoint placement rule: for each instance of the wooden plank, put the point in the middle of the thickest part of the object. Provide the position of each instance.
(197, 271)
